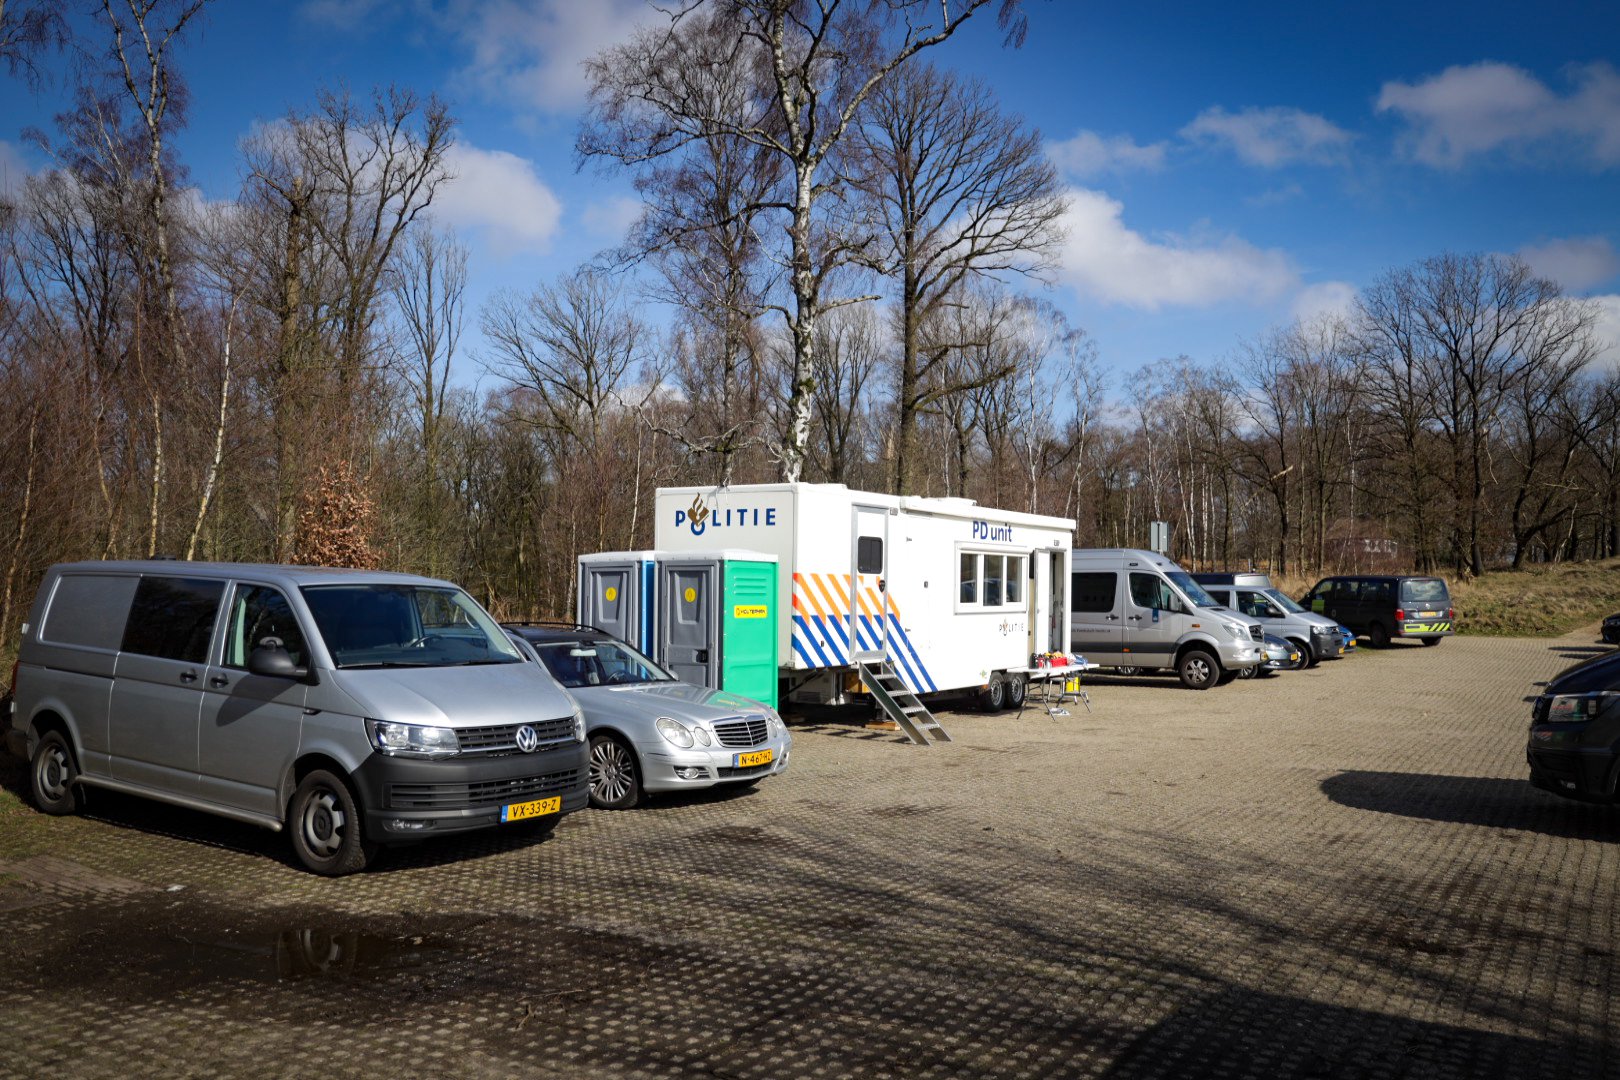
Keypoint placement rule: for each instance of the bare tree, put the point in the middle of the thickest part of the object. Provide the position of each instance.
(962, 191)
(28, 28)
(429, 285)
(814, 66)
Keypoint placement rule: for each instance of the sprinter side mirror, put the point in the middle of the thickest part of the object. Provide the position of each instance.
(270, 658)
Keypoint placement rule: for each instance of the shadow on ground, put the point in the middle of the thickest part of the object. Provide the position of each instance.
(1472, 800)
(1248, 1033)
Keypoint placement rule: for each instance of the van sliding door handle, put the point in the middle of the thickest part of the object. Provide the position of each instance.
(1112, 618)
(188, 676)
(219, 682)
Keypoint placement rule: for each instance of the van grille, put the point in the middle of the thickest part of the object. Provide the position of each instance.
(483, 793)
(1257, 632)
(747, 731)
(502, 738)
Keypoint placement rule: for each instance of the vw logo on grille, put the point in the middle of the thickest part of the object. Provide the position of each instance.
(527, 740)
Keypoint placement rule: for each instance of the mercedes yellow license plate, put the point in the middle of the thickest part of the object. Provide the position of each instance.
(758, 757)
(520, 811)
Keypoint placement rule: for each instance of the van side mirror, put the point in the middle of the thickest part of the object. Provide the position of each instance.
(270, 658)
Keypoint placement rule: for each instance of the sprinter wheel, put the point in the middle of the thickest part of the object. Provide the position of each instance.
(327, 833)
(1198, 670)
(52, 774)
(1016, 689)
(615, 779)
(993, 698)
(1378, 636)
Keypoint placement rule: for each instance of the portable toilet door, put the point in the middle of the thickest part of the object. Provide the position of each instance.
(688, 619)
(748, 628)
(615, 594)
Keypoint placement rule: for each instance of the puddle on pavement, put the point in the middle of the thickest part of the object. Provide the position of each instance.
(290, 956)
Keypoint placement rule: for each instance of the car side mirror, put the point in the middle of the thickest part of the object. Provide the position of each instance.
(270, 658)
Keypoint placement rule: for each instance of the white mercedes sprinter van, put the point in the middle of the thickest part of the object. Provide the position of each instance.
(1138, 611)
(349, 708)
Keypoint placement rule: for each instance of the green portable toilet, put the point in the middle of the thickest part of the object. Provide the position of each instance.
(717, 620)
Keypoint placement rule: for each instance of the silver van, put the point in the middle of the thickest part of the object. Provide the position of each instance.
(350, 708)
(1316, 636)
(1137, 610)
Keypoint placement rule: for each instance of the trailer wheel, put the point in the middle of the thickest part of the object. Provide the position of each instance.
(993, 698)
(1198, 670)
(1016, 690)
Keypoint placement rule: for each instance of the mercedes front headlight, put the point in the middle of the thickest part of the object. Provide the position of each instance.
(1238, 631)
(674, 732)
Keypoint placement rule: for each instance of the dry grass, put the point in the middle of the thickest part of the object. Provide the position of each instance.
(1537, 602)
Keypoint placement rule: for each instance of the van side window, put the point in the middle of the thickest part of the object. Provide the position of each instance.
(85, 608)
(173, 618)
(1257, 605)
(1092, 592)
(869, 555)
(258, 612)
(1152, 591)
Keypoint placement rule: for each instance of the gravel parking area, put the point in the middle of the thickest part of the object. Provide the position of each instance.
(1340, 872)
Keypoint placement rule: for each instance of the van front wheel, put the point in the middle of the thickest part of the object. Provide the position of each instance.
(1198, 670)
(1378, 636)
(52, 775)
(324, 819)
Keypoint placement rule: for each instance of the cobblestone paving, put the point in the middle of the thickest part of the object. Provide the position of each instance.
(1335, 873)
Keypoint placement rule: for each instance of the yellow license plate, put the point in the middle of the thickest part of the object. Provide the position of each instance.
(520, 811)
(758, 757)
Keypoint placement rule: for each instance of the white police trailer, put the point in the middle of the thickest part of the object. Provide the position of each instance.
(896, 596)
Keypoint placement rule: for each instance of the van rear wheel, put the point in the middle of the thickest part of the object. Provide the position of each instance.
(1431, 642)
(327, 833)
(1198, 670)
(52, 775)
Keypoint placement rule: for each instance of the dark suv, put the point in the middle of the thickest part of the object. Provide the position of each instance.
(1386, 607)
(1574, 740)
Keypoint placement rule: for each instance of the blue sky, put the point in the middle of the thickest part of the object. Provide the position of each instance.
(1230, 166)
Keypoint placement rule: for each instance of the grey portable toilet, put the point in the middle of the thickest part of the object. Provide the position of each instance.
(617, 590)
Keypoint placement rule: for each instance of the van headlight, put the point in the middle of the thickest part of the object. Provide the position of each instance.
(674, 732)
(412, 740)
(1574, 708)
(1238, 631)
(579, 724)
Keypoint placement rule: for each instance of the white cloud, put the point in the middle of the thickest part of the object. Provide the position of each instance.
(1577, 263)
(530, 53)
(1608, 329)
(1104, 260)
(1086, 154)
(500, 195)
(1324, 299)
(1275, 196)
(1471, 110)
(1272, 137)
(612, 217)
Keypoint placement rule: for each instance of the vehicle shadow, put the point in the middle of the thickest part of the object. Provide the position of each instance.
(1472, 800)
(1580, 652)
(1237, 1031)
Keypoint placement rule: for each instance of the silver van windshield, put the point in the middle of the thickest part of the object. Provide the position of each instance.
(1287, 603)
(1191, 589)
(387, 625)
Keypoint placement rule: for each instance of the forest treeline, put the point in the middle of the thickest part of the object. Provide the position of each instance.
(849, 241)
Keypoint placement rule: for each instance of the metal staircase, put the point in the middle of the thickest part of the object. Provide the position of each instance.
(898, 702)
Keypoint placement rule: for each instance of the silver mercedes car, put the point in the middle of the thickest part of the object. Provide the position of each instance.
(648, 731)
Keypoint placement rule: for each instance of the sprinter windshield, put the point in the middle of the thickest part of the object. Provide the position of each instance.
(1429, 590)
(387, 626)
(1282, 601)
(1193, 591)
